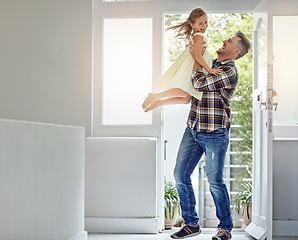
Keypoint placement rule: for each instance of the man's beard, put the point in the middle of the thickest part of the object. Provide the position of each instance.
(220, 53)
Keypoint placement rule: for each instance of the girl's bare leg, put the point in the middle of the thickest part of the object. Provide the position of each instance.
(173, 92)
(168, 101)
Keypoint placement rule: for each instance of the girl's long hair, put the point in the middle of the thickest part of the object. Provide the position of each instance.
(184, 30)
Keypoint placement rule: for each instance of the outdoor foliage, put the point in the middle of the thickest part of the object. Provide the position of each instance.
(224, 26)
(221, 27)
(243, 196)
(171, 199)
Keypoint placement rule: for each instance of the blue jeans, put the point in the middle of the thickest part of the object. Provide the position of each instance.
(193, 145)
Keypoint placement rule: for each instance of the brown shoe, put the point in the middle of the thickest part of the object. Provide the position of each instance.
(222, 234)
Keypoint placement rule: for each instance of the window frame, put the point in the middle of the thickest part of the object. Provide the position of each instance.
(101, 11)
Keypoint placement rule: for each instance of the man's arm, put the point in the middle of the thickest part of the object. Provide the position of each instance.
(208, 83)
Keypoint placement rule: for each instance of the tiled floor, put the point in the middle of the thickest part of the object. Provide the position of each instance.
(206, 234)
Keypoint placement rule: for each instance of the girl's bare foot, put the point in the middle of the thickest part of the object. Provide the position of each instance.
(153, 105)
(148, 100)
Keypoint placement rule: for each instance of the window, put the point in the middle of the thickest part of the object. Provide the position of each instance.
(285, 81)
(127, 70)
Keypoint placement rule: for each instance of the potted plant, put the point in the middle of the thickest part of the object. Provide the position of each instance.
(243, 200)
(172, 205)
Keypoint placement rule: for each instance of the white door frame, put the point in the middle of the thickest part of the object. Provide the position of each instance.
(110, 136)
(261, 226)
(105, 10)
(154, 9)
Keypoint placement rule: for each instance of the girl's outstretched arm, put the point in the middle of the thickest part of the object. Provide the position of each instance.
(198, 47)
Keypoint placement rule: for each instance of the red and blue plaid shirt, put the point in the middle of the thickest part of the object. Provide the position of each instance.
(213, 110)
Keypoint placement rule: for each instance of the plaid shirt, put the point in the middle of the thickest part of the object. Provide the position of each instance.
(213, 110)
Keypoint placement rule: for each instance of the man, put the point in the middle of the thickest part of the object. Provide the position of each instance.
(207, 132)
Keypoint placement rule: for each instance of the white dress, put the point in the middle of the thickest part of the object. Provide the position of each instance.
(179, 73)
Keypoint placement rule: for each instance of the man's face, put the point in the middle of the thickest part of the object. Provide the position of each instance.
(229, 46)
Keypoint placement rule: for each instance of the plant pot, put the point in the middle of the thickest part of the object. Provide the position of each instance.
(169, 222)
(247, 220)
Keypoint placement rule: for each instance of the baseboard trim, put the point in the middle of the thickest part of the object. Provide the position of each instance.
(285, 228)
(121, 225)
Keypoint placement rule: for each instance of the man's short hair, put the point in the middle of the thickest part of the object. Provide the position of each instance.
(243, 44)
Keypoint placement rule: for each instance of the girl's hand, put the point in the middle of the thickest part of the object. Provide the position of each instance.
(216, 71)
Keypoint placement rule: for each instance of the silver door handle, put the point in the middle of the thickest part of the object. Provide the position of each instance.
(263, 104)
(165, 150)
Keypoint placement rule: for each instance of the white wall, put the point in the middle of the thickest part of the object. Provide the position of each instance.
(45, 76)
(285, 145)
(285, 191)
(45, 61)
(41, 181)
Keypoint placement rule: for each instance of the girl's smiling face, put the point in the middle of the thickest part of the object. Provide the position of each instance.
(200, 24)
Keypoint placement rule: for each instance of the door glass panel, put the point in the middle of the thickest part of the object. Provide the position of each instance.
(127, 70)
(285, 38)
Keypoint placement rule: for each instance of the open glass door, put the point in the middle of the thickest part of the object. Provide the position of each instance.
(261, 226)
(124, 192)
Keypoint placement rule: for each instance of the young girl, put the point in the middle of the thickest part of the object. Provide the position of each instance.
(176, 83)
